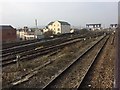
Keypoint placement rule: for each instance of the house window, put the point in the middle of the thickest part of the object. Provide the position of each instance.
(58, 29)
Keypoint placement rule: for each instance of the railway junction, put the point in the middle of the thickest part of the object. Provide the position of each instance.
(75, 61)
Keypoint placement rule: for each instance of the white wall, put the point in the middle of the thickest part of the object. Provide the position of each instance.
(56, 27)
(22, 33)
(93, 28)
(29, 37)
(65, 29)
(50, 27)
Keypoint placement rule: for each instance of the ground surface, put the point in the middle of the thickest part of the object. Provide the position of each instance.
(101, 76)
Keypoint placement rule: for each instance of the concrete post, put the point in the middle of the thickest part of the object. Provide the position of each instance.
(18, 61)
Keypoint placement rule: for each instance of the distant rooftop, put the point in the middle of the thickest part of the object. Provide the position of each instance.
(62, 22)
(5, 27)
(94, 24)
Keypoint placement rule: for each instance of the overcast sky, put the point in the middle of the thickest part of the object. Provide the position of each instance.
(19, 14)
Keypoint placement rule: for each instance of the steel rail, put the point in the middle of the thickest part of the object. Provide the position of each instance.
(32, 46)
(74, 61)
(35, 71)
(33, 54)
(93, 61)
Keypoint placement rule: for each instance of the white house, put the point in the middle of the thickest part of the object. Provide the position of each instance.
(58, 27)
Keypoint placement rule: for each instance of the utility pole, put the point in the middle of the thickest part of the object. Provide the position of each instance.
(36, 23)
(36, 29)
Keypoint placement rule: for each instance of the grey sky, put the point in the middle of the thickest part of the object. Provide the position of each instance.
(19, 14)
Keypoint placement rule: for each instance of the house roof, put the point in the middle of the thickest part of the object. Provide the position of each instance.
(64, 23)
(50, 23)
(93, 24)
(113, 24)
(6, 27)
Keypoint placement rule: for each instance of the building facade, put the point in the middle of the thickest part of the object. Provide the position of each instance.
(25, 34)
(39, 34)
(8, 33)
(29, 33)
(113, 26)
(93, 27)
(58, 27)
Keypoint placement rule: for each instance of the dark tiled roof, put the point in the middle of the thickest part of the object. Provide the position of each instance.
(113, 24)
(93, 24)
(6, 27)
(50, 23)
(64, 23)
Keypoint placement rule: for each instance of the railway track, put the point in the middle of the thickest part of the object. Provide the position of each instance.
(43, 44)
(32, 46)
(34, 53)
(22, 48)
(98, 76)
(113, 40)
(93, 62)
(10, 58)
(20, 43)
(35, 71)
(57, 82)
